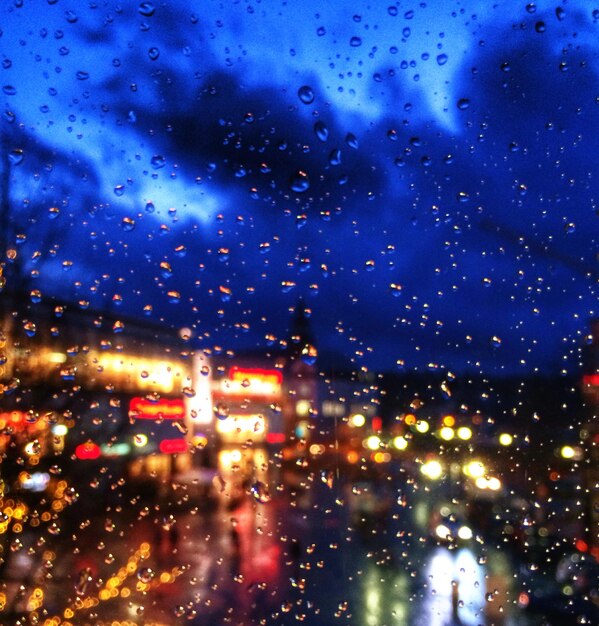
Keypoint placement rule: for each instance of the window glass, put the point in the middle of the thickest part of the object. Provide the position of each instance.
(298, 312)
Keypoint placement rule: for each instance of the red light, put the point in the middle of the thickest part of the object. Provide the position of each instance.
(87, 451)
(591, 380)
(173, 446)
(275, 438)
(140, 408)
(581, 545)
(377, 424)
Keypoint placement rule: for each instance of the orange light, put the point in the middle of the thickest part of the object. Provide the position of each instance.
(449, 420)
(410, 419)
(140, 408)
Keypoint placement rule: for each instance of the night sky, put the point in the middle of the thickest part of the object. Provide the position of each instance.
(423, 174)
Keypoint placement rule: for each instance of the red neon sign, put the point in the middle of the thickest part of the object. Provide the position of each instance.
(172, 446)
(140, 408)
(275, 438)
(87, 451)
(273, 377)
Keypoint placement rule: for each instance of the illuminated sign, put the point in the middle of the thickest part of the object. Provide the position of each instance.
(140, 408)
(251, 383)
(591, 380)
(172, 446)
(87, 451)
(275, 438)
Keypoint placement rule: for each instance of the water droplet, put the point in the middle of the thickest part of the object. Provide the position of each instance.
(355, 42)
(321, 131)
(153, 53)
(351, 141)
(306, 94)
(36, 296)
(146, 9)
(540, 27)
(146, 575)
(495, 341)
(157, 162)
(128, 224)
(570, 227)
(335, 157)
(119, 190)
(9, 90)
(328, 478)
(392, 11)
(442, 59)
(81, 75)
(260, 492)
(463, 104)
(221, 411)
(309, 354)
(16, 156)
(299, 182)
(560, 13)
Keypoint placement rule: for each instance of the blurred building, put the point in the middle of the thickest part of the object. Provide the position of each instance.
(590, 390)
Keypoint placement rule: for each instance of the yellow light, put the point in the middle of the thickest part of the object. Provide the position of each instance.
(373, 442)
(505, 439)
(449, 420)
(302, 407)
(474, 469)
(432, 469)
(140, 440)
(568, 452)
(357, 420)
(235, 456)
(422, 427)
(401, 443)
(464, 433)
(447, 433)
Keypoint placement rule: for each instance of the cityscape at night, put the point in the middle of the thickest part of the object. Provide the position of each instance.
(298, 313)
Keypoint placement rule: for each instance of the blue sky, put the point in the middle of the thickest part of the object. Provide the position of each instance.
(446, 216)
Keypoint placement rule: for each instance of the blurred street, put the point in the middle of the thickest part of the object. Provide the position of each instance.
(317, 549)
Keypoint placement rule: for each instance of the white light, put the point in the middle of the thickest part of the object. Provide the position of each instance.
(464, 433)
(401, 443)
(442, 532)
(474, 469)
(60, 430)
(568, 452)
(422, 427)
(432, 469)
(505, 439)
(464, 533)
(372, 443)
(446, 433)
